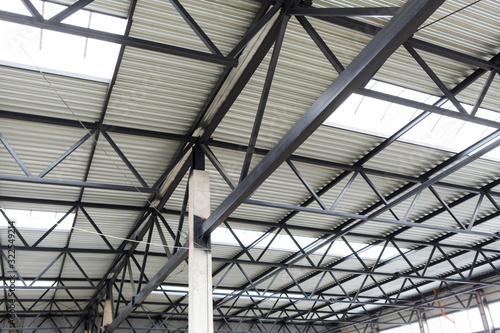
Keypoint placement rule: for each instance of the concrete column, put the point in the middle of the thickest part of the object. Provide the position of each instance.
(200, 256)
(483, 309)
(107, 316)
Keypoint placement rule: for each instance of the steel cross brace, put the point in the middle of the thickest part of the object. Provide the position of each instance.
(448, 274)
(386, 208)
(362, 68)
(436, 243)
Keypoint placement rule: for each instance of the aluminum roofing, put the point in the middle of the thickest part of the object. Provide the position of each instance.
(157, 101)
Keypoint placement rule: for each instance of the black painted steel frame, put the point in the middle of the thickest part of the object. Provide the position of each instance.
(331, 306)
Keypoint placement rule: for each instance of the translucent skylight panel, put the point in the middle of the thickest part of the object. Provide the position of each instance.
(37, 220)
(495, 311)
(219, 293)
(50, 51)
(13, 6)
(37, 283)
(222, 236)
(373, 116)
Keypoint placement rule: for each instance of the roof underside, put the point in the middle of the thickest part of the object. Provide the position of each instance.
(325, 227)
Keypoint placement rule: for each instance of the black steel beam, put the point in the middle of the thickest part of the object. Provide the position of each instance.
(196, 28)
(95, 125)
(61, 182)
(32, 9)
(430, 108)
(115, 38)
(362, 68)
(344, 12)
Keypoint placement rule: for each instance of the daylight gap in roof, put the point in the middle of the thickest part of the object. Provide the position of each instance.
(37, 220)
(54, 52)
(376, 117)
(222, 236)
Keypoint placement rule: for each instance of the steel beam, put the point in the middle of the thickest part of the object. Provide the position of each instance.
(430, 108)
(344, 12)
(362, 68)
(116, 38)
(61, 182)
(91, 126)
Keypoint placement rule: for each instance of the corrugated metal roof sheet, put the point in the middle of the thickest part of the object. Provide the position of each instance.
(84, 97)
(141, 97)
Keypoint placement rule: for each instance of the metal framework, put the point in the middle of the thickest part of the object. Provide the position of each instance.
(434, 230)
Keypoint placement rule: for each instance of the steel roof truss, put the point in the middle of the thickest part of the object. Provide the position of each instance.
(306, 184)
(483, 92)
(142, 276)
(123, 158)
(15, 156)
(96, 228)
(180, 224)
(301, 250)
(379, 195)
(263, 98)
(435, 78)
(321, 44)
(70, 295)
(162, 238)
(48, 232)
(360, 69)
(457, 89)
(218, 166)
(239, 241)
(196, 28)
(32, 9)
(344, 12)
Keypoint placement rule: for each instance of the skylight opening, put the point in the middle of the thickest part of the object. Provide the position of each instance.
(54, 52)
(222, 236)
(37, 220)
(219, 293)
(372, 116)
(36, 284)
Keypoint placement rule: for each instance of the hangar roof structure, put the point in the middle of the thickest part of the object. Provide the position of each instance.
(352, 147)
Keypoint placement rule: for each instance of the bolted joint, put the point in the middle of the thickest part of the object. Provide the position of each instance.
(198, 158)
(200, 240)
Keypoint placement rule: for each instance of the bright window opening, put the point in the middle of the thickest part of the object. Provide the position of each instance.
(37, 220)
(381, 118)
(466, 321)
(222, 236)
(219, 293)
(36, 284)
(495, 314)
(59, 53)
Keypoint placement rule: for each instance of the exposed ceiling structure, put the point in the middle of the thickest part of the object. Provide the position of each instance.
(315, 227)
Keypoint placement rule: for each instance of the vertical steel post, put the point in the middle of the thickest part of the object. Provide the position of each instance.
(422, 323)
(483, 307)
